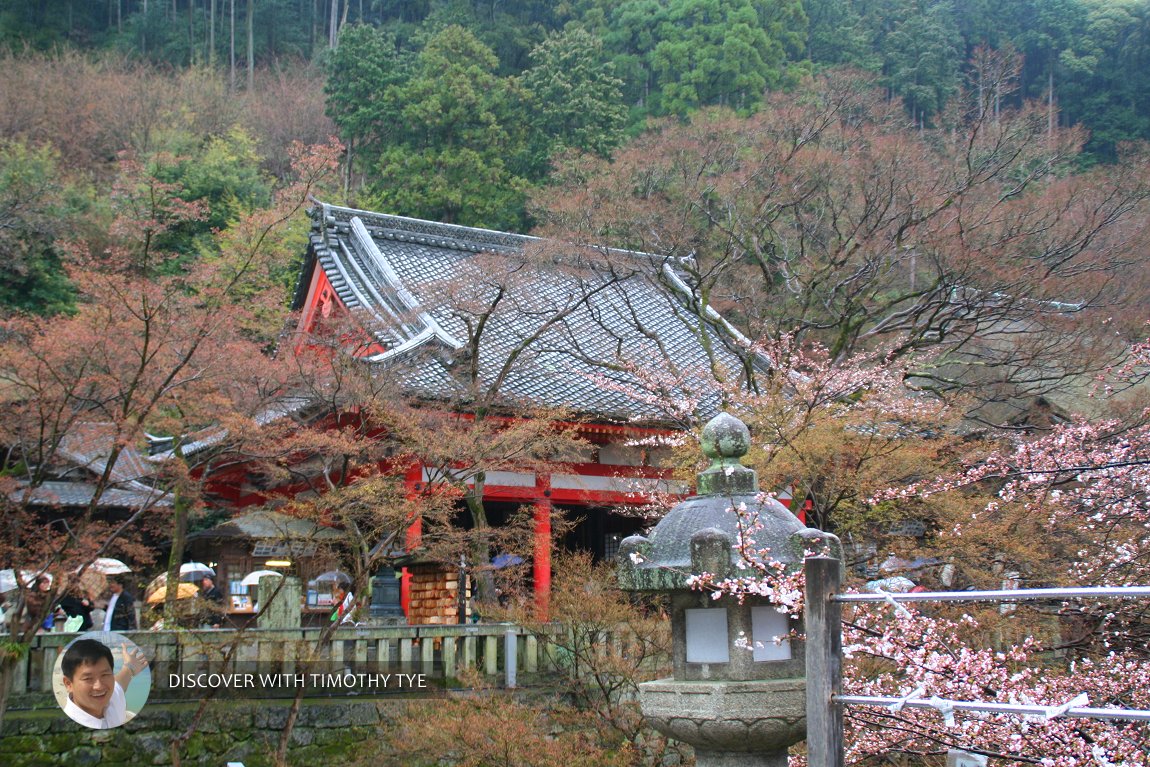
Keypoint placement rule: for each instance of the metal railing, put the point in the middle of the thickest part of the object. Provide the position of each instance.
(825, 701)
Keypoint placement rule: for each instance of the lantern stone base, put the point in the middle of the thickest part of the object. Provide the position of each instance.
(750, 724)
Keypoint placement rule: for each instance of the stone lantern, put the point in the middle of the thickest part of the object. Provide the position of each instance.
(738, 694)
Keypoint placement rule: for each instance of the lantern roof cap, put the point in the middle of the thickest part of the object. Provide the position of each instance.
(729, 529)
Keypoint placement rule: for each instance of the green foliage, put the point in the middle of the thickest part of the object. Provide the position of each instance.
(35, 208)
(456, 98)
(42, 24)
(836, 35)
(219, 176)
(631, 36)
(365, 74)
(458, 139)
(222, 172)
(682, 54)
(672, 56)
(1114, 43)
(921, 60)
(574, 99)
(714, 52)
(457, 185)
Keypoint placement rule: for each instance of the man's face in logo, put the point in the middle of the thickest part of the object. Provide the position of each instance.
(91, 687)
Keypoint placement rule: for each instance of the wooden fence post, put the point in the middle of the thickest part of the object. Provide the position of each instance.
(490, 655)
(824, 663)
(510, 657)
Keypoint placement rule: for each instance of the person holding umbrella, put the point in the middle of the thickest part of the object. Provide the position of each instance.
(214, 609)
(120, 614)
(35, 601)
(344, 601)
(75, 603)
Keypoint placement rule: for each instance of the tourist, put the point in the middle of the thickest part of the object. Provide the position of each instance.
(75, 603)
(120, 614)
(214, 602)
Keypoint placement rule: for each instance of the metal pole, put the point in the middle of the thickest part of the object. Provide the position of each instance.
(1016, 709)
(1008, 595)
(824, 663)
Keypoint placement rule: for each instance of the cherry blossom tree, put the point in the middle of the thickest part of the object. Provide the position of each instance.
(943, 658)
(1061, 507)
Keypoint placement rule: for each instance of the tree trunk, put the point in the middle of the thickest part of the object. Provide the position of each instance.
(333, 24)
(481, 546)
(175, 558)
(212, 35)
(232, 49)
(251, 45)
(315, 17)
(347, 171)
(192, 32)
(318, 651)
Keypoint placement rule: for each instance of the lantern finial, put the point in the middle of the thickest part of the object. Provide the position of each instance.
(725, 440)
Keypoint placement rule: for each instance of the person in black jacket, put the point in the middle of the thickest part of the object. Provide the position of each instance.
(76, 603)
(213, 610)
(121, 612)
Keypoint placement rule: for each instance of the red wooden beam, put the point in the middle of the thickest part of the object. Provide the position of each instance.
(541, 559)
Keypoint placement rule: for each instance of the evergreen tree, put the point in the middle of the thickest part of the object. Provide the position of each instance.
(715, 52)
(34, 210)
(631, 36)
(365, 75)
(921, 55)
(459, 132)
(575, 101)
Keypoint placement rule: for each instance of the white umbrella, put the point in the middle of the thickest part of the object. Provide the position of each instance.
(331, 576)
(27, 577)
(895, 585)
(193, 571)
(253, 579)
(109, 566)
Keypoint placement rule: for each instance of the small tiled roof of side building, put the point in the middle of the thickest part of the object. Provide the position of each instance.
(130, 495)
(574, 320)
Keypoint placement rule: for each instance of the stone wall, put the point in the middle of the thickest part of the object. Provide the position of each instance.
(328, 732)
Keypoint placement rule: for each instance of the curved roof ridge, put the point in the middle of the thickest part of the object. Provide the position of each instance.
(362, 239)
(435, 233)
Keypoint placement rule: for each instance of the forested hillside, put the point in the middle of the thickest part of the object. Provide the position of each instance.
(463, 111)
(671, 55)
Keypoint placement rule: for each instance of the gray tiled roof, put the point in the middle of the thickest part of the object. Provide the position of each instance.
(417, 284)
(268, 525)
(132, 495)
(89, 444)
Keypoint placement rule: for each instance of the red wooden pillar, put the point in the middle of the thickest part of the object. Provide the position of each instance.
(542, 554)
(412, 480)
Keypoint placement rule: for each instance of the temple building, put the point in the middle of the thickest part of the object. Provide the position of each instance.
(463, 317)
